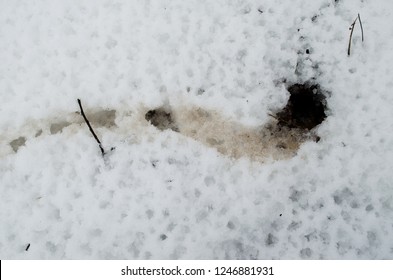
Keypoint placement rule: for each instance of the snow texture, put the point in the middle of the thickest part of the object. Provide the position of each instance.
(221, 186)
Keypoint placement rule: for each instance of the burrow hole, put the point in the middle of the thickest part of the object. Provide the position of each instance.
(306, 107)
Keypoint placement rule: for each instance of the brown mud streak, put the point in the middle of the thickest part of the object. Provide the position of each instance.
(53, 125)
(209, 127)
(227, 136)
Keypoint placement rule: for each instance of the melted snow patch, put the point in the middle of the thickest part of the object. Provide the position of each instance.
(208, 127)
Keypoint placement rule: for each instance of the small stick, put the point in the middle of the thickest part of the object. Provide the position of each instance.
(28, 246)
(350, 36)
(91, 129)
(361, 27)
(273, 116)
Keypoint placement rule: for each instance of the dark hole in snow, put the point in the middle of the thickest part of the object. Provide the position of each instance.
(161, 118)
(305, 108)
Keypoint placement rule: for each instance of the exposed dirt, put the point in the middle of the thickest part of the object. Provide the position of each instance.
(161, 118)
(98, 117)
(305, 108)
(278, 139)
(17, 143)
(227, 136)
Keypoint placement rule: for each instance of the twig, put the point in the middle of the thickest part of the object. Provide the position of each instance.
(91, 129)
(350, 36)
(352, 28)
(28, 246)
(361, 27)
(273, 116)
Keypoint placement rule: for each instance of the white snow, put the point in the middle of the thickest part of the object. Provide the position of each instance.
(168, 195)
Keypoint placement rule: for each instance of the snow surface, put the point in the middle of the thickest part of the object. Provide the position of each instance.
(166, 195)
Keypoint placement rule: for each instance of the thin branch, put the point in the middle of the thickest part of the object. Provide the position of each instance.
(350, 36)
(91, 129)
(273, 116)
(361, 27)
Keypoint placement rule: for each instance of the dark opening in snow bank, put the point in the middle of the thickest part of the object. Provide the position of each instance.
(305, 108)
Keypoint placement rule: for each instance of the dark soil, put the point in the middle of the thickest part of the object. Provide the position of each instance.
(305, 108)
(161, 118)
